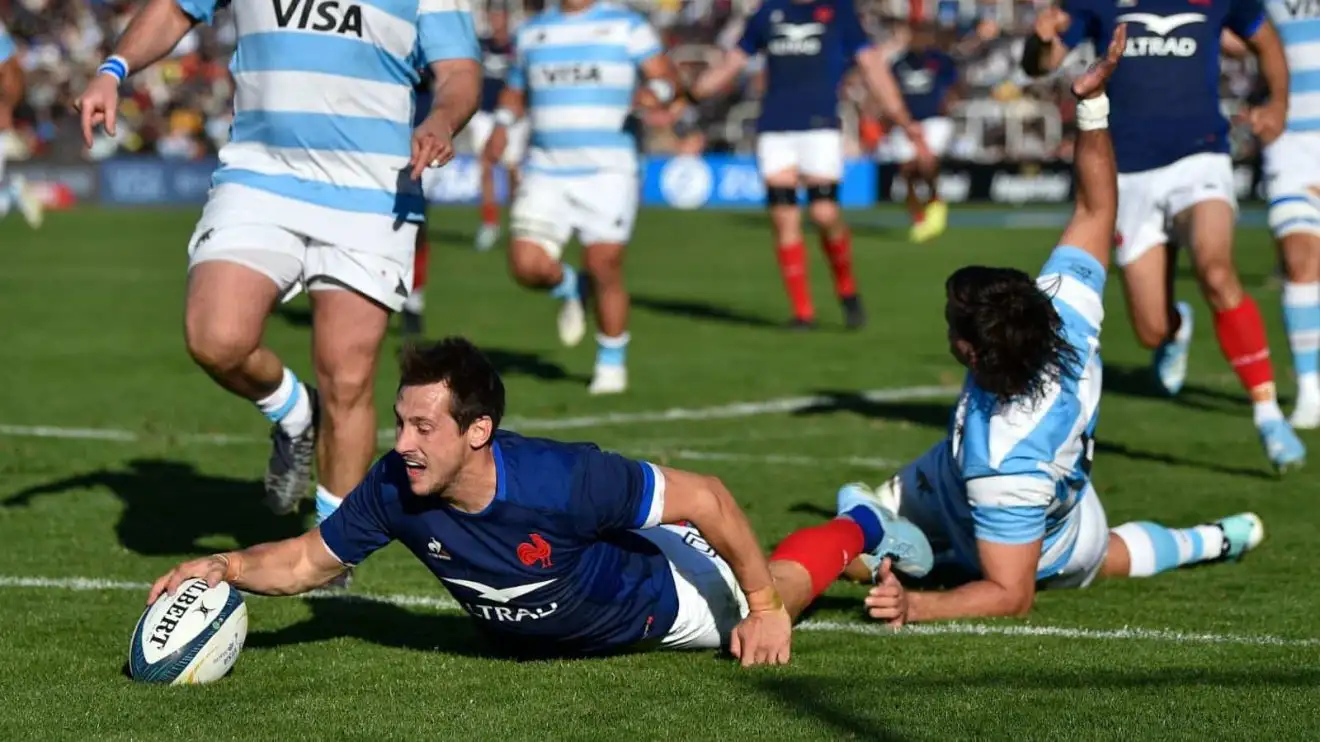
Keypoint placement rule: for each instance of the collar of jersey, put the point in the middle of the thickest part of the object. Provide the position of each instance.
(500, 484)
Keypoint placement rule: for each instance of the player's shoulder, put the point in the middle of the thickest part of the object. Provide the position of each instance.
(613, 11)
(540, 472)
(1015, 437)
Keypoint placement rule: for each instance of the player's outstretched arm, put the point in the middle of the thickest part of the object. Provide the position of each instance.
(718, 79)
(287, 567)
(1095, 171)
(1044, 50)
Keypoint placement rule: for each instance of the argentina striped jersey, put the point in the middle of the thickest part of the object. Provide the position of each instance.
(7, 49)
(579, 73)
(323, 96)
(1025, 466)
(1298, 22)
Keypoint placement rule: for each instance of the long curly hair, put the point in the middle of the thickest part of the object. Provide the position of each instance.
(1018, 348)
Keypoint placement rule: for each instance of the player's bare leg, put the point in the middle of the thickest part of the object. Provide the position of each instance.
(1159, 324)
(415, 305)
(347, 330)
(532, 265)
(603, 262)
(836, 240)
(912, 201)
(934, 212)
(489, 231)
(1238, 325)
(224, 315)
(1301, 317)
(790, 246)
(1143, 549)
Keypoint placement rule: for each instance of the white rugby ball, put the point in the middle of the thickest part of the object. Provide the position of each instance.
(192, 636)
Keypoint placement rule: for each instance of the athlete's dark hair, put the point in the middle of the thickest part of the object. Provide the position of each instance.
(475, 388)
(1016, 336)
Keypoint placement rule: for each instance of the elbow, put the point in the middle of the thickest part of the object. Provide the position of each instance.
(1018, 602)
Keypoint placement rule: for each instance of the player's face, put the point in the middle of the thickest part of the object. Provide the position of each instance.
(427, 438)
(499, 24)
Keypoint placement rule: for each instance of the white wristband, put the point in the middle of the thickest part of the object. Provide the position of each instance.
(663, 90)
(504, 117)
(1093, 113)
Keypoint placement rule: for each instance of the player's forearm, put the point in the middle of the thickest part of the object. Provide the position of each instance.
(1273, 63)
(512, 100)
(457, 91)
(1096, 210)
(1042, 57)
(726, 528)
(152, 33)
(720, 78)
(280, 567)
(882, 86)
(982, 599)
(11, 85)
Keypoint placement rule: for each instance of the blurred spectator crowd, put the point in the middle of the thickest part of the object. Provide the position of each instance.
(180, 108)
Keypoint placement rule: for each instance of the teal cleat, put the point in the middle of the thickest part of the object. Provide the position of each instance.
(1242, 533)
(1170, 360)
(903, 541)
(1282, 445)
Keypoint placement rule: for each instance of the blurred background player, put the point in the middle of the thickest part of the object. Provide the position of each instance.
(14, 191)
(574, 78)
(410, 317)
(927, 76)
(1175, 175)
(1292, 177)
(809, 46)
(318, 189)
(496, 56)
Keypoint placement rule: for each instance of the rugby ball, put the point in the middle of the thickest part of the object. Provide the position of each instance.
(192, 636)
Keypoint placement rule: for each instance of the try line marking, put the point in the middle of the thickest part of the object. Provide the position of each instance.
(730, 411)
(441, 603)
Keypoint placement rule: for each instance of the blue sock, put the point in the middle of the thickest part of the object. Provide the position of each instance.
(1153, 548)
(567, 290)
(326, 504)
(612, 351)
(872, 530)
(1301, 317)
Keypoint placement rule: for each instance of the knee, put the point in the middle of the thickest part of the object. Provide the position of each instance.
(825, 214)
(530, 264)
(604, 266)
(345, 386)
(1220, 281)
(218, 343)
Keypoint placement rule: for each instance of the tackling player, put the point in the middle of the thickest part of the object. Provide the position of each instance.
(927, 77)
(318, 188)
(1007, 497)
(496, 57)
(1175, 175)
(557, 548)
(574, 77)
(1292, 177)
(15, 191)
(808, 47)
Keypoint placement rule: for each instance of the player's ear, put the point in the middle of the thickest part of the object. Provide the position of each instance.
(480, 432)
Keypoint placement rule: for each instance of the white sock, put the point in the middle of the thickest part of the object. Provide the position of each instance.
(416, 302)
(326, 504)
(1308, 388)
(288, 405)
(1266, 411)
(1153, 548)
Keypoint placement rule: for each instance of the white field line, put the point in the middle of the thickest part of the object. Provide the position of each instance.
(439, 603)
(525, 424)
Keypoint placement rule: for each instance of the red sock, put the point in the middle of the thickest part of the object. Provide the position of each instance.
(839, 251)
(490, 214)
(793, 267)
(819, 548)
(1241, 335)
(421, 258)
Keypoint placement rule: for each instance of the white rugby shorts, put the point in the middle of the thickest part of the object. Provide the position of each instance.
(279, 238)
(816, 154)
(1291, 168)
(921, 490)
(1149, 200)
(937, 131)
(479, 129)
(599, 207)
(710, 602)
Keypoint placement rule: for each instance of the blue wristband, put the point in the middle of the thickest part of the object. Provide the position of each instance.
(115, 66)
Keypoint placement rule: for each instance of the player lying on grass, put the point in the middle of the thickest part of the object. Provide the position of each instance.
(1007, 498)
(558, 548)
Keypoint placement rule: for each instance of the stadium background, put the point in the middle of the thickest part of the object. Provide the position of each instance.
(1013, 141)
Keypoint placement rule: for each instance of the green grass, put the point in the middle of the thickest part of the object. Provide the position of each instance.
(92, 308)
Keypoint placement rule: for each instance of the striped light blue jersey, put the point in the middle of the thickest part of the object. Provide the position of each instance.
(579, 72)
(7, 48)
(323, 96)
(1298, 22)
(1025, 466)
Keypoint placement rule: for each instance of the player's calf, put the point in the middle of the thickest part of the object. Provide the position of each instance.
(1299, 238)
(836, 241)
(533, 262)
(791, 252)
(604, 263)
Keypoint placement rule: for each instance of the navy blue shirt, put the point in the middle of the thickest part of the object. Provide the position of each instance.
(809, 46)
(925, 77)
(1164, 96)
(551, 565)
(423, 96)
(495, 61)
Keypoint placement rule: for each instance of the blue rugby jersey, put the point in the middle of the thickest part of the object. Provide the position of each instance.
(579, 72)
(809, 46)
(552, 565)
(323, 96)
(925, 78)
(1166, 91)
(495, 61)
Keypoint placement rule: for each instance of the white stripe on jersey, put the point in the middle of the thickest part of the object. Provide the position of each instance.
(611, 74)
(1303, 106)
(348, 169)
(569, 117)
(1299, 28)
(314, 92)
(1075, 294)
(387, 32)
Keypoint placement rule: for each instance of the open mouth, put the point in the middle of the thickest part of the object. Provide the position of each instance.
(414, 468)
